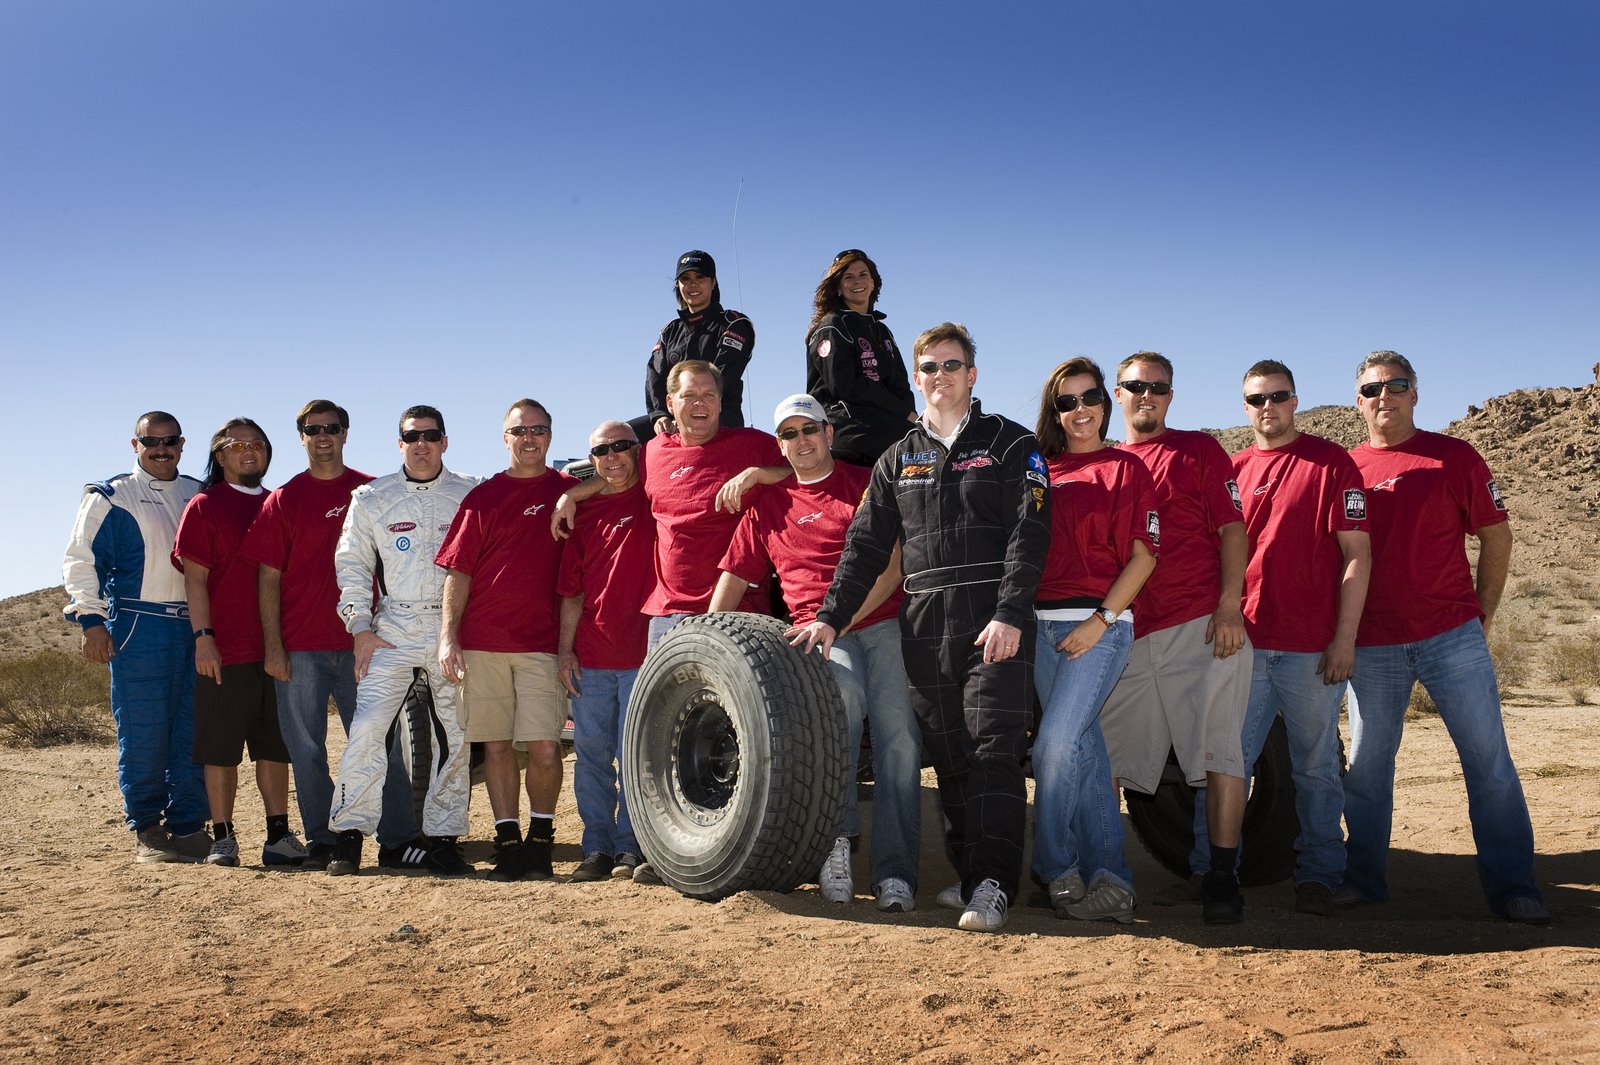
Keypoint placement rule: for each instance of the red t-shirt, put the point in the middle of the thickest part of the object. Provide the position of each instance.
(296, 533)
(799, 530)
(1425, 495)
(1100, 503)
(500, 537)
(610, 560)
(1196, 497)
(210, 534)
(691, 534)
(1296, 498)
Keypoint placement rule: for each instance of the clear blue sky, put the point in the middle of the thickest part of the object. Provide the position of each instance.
(231, 208)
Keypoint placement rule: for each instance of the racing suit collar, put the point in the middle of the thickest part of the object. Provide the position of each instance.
(713, 308)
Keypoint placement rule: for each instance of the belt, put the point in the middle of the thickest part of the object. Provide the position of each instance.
(415, 608)
(942, 577)
(175, 611)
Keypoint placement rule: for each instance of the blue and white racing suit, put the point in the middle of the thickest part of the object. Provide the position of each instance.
(118, 571)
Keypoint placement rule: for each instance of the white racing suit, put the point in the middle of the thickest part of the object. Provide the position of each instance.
(391, 535)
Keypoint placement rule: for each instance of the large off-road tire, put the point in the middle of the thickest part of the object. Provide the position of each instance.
(1164, 822)
(733, 757)
(414, 724)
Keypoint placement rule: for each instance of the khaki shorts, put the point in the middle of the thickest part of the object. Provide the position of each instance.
(512, 697)
(1175, 694)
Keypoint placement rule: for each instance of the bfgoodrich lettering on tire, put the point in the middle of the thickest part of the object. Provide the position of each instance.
(733, 757)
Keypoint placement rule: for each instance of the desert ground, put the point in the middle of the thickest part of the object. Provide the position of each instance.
(104, 959)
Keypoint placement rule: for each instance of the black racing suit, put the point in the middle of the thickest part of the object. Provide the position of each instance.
(725, 339)
(974, 521)
(855, 371)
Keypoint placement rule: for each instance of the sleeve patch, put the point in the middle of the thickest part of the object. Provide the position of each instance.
(1152, 525)
(1494, 494)
(825, 349)
(1037, 472)
(1355, 504)
(1233, 492)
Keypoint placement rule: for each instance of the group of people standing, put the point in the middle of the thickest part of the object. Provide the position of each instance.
(1156, 596)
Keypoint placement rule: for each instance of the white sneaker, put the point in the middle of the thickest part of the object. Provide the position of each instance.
(950, 898)
(288, 851)
(895, 896)
(987, 910)
(834, 879)
(224, 851)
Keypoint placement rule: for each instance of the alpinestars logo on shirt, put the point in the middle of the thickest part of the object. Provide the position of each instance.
(533, 510)
(1263, 489)
(1387, 486)
(807, 519)
(335, 512)
(679, 472)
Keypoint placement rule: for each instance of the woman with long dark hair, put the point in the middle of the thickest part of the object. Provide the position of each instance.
(852, 365)
(1104, 533)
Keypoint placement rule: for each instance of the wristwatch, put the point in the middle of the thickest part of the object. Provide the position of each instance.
(205, 632)
(1107, 616)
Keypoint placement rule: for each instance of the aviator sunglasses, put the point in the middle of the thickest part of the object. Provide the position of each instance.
(1396, 385)
(948, 366)
(1094, 397)
(809, 428)
(616, 447)
(1261, 399)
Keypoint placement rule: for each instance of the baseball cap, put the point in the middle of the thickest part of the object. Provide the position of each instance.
(700, 262)
(800, 405)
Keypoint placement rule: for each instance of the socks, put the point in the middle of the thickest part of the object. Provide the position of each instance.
(542, 826)
(1224, 859)
(277, 828)
(221, 830)
(507, 831)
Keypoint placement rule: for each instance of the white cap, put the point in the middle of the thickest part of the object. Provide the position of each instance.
(798, 405)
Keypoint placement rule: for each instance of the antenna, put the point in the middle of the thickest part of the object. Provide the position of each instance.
(738, 275)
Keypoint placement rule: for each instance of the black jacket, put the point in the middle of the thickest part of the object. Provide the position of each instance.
(855, 371)
(978, 513)
(726, 339)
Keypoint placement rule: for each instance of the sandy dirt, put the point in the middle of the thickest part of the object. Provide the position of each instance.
(103, 958)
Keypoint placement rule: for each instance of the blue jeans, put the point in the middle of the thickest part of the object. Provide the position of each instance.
(871, 673)
(1457, 672)
(660, 626)
(597, 719)
(1077, 817)
(314, 677)
(1288, 682)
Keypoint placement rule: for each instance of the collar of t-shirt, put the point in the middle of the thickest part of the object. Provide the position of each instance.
(949, 441)
(257, 490)
(815, 480)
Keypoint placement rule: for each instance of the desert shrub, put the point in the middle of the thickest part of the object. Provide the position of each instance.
(1533, 588)
(1511, 656)
(51, 697)
(1575, 660)
(1421, 704)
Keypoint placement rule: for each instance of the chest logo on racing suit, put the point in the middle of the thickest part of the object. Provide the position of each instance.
(679, 472)
(1494, 494)
(336, 512)
(1152, 525)
(1355, 504)
(807, 519)
(869, 359)
(1233, 493)
(402, 543)
(729, 340)
(975, 462)
(533, 510)
(402, 526)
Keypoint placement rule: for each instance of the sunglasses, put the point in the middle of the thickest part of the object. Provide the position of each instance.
(848, 252)
(1395, 385)
(243, 445)
(809, 428)
(432, 436)
(528, 430)
(616, 447)
(1139, 388)
(160, 441)
(1095, 397)
(323, 430)
(1261, 399)
(948, 366)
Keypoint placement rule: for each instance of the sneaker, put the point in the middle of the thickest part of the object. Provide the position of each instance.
(444, 858)
(986, 912)
(1313, 898)
(193, 846)
(896, 896)
(1106, 901)
(645, 873)
(1066, 890)
(627, 862)
(1221, 902)
(411, 856)
(595, 866)
(224, 851)
(1348, 897)
(154, 845)
(346, 854)
(1183, 893)
(834, 879)
(1525, 909)
(510, 861)
(950, 898)
(287, 852)
(538, 852)
(318, 855)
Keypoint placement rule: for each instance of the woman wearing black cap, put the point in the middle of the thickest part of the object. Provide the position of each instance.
(852, 364)
(702, 330)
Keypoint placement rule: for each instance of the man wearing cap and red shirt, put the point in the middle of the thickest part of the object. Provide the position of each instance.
(702, 330)
(798, 526)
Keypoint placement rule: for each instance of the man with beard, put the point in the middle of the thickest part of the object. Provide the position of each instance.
(130, 605)
(235, 703)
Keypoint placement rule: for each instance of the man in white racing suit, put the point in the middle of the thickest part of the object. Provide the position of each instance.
(391, 534)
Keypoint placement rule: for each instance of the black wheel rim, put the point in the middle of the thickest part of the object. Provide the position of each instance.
(706, 767)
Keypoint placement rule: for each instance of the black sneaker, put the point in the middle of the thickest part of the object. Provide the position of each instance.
(318, 855)
(595, 866)
(444, 858)
(410, 857)
(538, 858)
(1220, 899)
(346, 860)
(1313, 898)
(510, 860)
